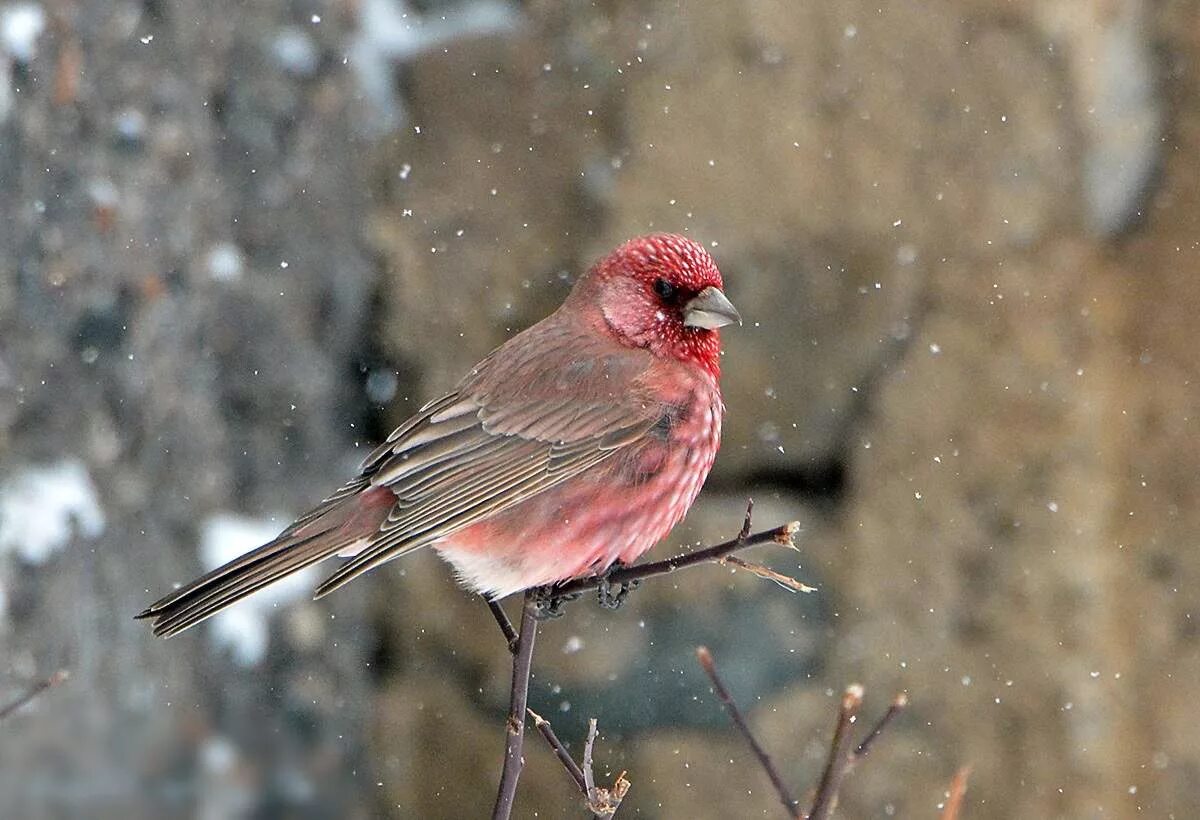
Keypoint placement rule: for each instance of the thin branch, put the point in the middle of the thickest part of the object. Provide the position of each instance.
(589, 778)
(601, 802)
(838, 762)
(35, 690)
(560, 750)
(747, 522)
(515, 726)
(506, 626)
(780, 535)
(768, 574)
(543, 726)
(898, 704)
(706, 663)
(958, 791)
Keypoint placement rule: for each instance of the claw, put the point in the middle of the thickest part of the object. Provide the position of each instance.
(550, 603)
(609, 597)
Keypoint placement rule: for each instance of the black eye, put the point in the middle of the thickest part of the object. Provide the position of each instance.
(664, 289)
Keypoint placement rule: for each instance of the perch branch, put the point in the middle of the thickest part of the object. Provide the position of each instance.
(35, 690)
(706, 663)
(547, 731)
(515, 726)
(603, 802)
(780, 535)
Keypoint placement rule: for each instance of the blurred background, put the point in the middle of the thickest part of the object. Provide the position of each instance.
(241, 241)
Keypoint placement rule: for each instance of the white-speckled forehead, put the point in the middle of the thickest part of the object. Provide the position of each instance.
(683, 260)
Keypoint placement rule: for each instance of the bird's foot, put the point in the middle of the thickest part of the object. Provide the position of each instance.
(612, 596)
(549, 602)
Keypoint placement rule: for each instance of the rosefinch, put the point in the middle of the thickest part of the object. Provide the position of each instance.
(579, 442)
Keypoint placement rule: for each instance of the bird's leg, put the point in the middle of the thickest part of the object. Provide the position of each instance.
(610, 597)
(548, 602)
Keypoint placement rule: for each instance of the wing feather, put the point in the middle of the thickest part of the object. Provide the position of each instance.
(514, 428)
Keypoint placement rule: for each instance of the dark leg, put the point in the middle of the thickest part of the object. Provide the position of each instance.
(550, 603)
(611, 597)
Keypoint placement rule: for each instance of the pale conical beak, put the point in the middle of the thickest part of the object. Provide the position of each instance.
(710, 309)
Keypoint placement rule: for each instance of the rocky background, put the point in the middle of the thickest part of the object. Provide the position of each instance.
(239, 242)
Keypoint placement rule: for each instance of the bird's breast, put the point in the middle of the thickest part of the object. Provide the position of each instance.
(617, 511)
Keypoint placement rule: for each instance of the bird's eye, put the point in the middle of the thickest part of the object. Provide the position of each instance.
(664, 289)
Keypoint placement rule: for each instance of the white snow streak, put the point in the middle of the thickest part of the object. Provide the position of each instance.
(243, 628)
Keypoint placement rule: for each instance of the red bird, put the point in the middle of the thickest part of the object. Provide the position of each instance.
(579, 442)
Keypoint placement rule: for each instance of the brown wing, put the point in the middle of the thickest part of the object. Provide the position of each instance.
(544, 408)
(510, 431)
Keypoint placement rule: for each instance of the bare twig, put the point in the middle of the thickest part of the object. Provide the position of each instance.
(560, 750)
(515, 726)
(706, 663)
(747, 522)
(589, 778)
(543, 726)
(601, 802)
(506, 626)
(35, 690)
(780, 535)
(767, 573)
(838, 762)
(958, 791)
(898, 704)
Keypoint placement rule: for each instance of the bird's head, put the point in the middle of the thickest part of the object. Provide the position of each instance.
(662, 292)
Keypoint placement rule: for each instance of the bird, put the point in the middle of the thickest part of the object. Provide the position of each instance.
(577, 444)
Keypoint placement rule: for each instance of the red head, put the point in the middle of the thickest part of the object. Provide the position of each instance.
(662, 292)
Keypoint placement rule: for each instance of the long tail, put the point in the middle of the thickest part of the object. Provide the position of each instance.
(338, 524)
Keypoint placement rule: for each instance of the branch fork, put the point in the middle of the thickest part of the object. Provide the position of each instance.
(543, 602)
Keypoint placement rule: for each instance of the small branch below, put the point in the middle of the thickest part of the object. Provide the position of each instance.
(41, 686)
(842, 756)
(898, 704)
(838, 763)
(841, 761)
(958, 791)
(514, 759)
(601, 802)
(560, 750)
(706, 663)
(506, 626)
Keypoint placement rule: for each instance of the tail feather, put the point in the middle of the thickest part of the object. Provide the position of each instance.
(338, 524)
(226, 585)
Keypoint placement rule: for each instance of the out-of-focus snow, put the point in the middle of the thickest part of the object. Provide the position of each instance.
(389, 32)
(20, 26)
(225, 262)
(295, 52)
(6, 92)
(42, 506)
(243, 628)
